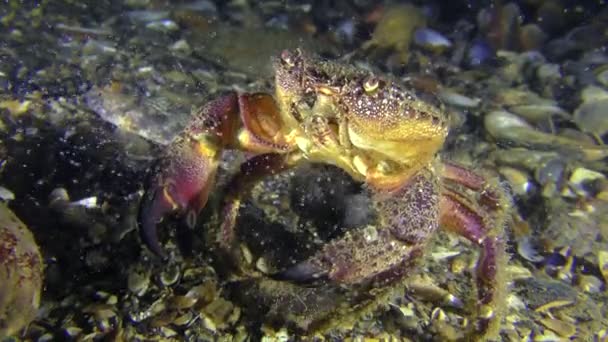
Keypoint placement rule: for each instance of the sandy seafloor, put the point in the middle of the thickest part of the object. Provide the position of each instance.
(92, 91)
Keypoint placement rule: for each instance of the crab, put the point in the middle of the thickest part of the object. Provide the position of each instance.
(379, 133)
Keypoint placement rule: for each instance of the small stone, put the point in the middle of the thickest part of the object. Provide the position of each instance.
(112, 300)
(548, 72)
(262, 265)
(181, 46)
(602, 76)
(590, 116)
(164, 26)
(6, 195)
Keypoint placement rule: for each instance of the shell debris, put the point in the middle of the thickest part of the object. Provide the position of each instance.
(602, 259)
(560, 327)
(556, 304)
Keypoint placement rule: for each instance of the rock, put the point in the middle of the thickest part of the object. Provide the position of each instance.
(20, 274)
(591, 116)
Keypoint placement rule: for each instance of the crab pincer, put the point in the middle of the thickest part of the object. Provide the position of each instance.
(182, 177)
(180, 180)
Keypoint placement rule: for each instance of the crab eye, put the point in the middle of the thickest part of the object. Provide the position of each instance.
(370, 84)
(287, 58)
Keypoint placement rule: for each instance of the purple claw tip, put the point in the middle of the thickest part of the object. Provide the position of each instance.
(151, 212)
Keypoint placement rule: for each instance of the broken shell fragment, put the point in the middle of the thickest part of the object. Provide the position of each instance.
(220, 314)
(170, 275)
(526, 250)
(182, 302)
(455, 99)
(589, 283)
(562, 328)
(262, 265)
(498, 122)
(183, 319)
(603, 264)
(424, 288)
(438, 314)
(138, 281)
(518, 272)
(539, 112)
(519, 180)
(508, 127)
(444, 255)
(581, 175)
(556, 304)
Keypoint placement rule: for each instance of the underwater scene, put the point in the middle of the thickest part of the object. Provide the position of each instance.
(345, 170)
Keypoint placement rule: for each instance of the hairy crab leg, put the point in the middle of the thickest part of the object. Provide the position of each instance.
(490, 197)
(407, 215)
(463, 176)
(182, 177)
(252, 171)
(484, 228)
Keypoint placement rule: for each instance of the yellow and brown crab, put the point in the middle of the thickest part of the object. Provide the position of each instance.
(380, 134)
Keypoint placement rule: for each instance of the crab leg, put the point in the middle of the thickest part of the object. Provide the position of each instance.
(252, 171)
(461, 216)
(490, 196)
(182, 177)
(408, 214)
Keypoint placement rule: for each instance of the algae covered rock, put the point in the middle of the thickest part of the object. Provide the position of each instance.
(20, 274)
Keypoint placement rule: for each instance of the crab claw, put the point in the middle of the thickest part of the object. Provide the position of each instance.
(409, 213)
(151, 211)
(179, 184)
(183, 176)
(180, 180)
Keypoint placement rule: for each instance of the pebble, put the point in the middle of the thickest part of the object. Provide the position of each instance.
(6, 195)
(147, 15)
(431, 39)
(520, 181)
(181, 46)
(591, 116)
(602, 76)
